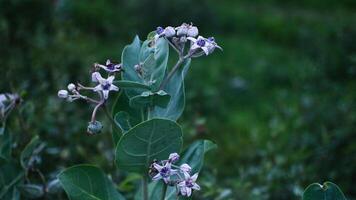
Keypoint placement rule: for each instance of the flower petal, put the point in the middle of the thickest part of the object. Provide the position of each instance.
(194, 177)
(106, 94)
(157, 166)
(110, 79)
(196, 186)
(157, 177)
(114, 88)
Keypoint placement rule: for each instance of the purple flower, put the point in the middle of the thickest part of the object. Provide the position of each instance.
(185, 168)
(208, 45)
(164, 172)
(105, 85)
(199, 43)
(189, 184)
(164, 32)
(110, 67)
(173, 157)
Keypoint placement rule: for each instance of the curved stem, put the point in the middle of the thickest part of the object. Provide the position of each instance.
(95, 110)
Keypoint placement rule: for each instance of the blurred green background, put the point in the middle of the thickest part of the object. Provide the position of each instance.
(280, 100)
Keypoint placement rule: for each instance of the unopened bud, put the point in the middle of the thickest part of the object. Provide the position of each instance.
(169, 31)
(94, 127)
(71, 87)
(63, 94)
(193, 31)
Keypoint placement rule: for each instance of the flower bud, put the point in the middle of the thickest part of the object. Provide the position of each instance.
(94, 128)
(71, 87)
(63, 94)
(173, 157)
(185, 168)
(182, 30)
(169, 31)
(193, 31)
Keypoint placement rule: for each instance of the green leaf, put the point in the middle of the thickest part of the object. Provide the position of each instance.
(31, 191)
(149, 140)
(29, 151)
(122, 120)
(194, 154)
(130, 58)
(149, 99)
(327, 191)
(10, 176)
(175, 88)
(131, 85)
(86, 182)
(122, 104)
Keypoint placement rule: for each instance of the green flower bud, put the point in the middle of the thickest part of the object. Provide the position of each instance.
(94, 128)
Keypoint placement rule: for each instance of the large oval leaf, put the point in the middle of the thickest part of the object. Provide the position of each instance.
(327, 191)
(86, 182)
(149, 140)
(175, 88)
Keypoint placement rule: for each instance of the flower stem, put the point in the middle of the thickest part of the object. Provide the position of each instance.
(164, 191)
(145, 187)
(174, 69)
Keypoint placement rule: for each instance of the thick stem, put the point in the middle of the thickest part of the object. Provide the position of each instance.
(145, 187)
(170, 74)
(164, 191)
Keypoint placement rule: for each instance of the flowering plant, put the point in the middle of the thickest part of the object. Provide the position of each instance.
(150, 101)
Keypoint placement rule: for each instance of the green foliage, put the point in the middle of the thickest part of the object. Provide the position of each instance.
(86, 182)
(327, 191)
(175, 88)
(28, 152)
(10, 176)
(150, 99)
(149, 140)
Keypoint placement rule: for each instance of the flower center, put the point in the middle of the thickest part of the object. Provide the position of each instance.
(111, 66)
(106, 86)
(201, 42)
(189, 183)
(159, 30)
(165, 172)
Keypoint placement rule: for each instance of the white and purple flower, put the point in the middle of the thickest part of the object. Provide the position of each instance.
(110, 67)
(207, 45)
(105, 85)
(164, 172)
(187, 30)
(188, 185)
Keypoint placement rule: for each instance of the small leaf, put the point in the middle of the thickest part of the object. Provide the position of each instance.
(31, 191)
(86, 182)
(327, 191)
(30, 150)
(175, 88)
(149, 140)
(122, 120)
(149, 99)
(54, 186)
(194, 154)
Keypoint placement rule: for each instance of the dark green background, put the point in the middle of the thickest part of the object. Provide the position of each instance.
(280, 100)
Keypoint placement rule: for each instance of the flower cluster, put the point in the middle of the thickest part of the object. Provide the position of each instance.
(179, 176)
(102, 89)
(180, 35)
(7, 103)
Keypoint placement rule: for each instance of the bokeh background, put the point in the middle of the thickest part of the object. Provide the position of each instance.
(280, 100)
